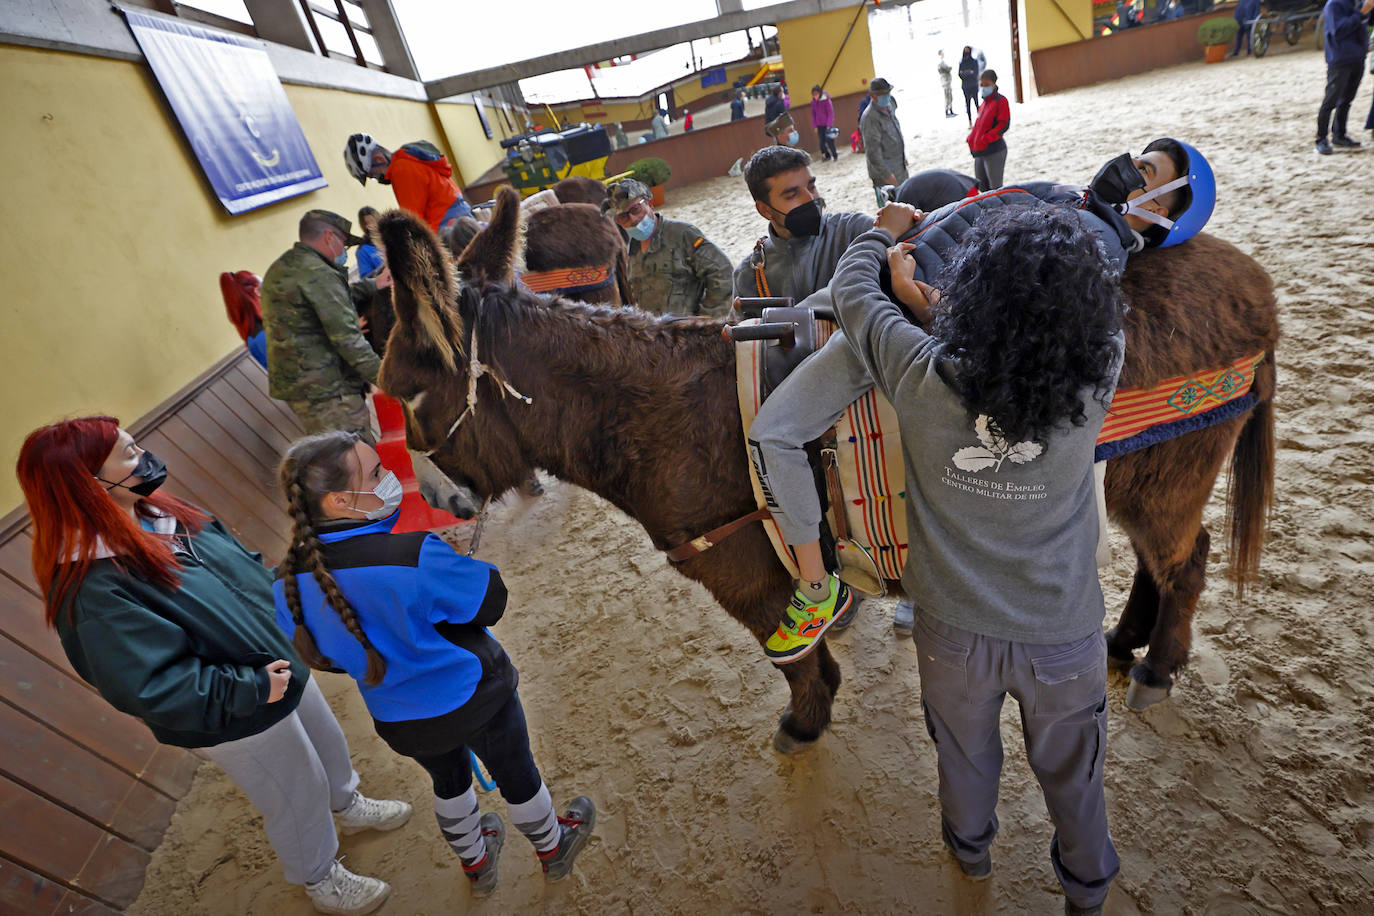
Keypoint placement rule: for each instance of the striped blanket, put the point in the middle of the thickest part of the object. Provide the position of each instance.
(869, 444)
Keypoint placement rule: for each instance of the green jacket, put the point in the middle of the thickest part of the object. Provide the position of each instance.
(187, 661)
(315, 351)
(679, 272)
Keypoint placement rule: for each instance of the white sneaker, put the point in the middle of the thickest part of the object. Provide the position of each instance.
(347, 894)
(365, 813)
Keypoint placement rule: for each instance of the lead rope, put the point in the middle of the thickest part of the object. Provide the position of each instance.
(760, 280)
(477, 534)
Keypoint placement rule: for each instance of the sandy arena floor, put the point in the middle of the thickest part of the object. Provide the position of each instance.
(1251, 791)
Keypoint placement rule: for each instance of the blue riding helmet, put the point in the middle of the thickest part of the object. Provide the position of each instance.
(1201, 198)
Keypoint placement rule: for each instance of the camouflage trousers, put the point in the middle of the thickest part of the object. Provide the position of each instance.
(347, 412)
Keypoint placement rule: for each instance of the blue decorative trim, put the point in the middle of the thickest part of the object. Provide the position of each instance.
(1165, 431)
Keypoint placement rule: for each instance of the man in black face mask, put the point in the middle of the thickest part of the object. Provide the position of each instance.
(804, 243)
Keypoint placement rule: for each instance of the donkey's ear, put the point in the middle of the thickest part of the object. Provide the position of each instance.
(490, 255)
(422, 283)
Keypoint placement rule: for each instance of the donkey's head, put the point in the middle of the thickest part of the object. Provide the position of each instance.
(440, 336)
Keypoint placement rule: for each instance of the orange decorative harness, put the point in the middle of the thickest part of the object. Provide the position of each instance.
(569, 281)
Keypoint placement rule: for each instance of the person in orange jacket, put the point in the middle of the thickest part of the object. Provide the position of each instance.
(985, 140)
(417, 172)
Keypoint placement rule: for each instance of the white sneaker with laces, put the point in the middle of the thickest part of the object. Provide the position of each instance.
(365, 813)
(347, 894)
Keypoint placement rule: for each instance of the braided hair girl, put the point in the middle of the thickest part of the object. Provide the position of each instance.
(314, 469)
(406, 617)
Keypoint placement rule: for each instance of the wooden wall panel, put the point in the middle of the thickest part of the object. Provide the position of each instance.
(64, 771)
(25, 893)
(63, 703)
(52, 841)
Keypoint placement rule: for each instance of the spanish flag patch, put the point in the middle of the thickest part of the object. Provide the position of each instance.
(697, 243)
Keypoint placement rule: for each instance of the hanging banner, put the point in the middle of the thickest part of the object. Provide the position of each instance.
(232, 109)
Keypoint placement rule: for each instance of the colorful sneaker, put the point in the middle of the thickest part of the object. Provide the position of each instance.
(365, 813)
(483, 874)
(575, 828)
(345, 894)
(806, 622)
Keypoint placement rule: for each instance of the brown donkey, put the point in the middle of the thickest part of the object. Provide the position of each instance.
(643, 412)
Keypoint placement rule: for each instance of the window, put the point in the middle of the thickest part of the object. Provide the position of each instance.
(342, 30)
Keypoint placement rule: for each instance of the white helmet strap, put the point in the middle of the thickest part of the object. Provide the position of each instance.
(1134, 206)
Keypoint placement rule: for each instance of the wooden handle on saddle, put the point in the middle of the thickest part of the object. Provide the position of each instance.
(785, 332)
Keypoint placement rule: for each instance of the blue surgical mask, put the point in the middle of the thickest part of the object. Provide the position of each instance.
(986, 91)
(884, 101)
(793, 138)
(642, 230)
(342, 259)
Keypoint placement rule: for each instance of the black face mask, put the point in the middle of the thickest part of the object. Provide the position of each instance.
(804, 220)
(1115, 181)
(151, 472)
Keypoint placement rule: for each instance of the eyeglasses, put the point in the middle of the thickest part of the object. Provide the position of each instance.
(634, 214)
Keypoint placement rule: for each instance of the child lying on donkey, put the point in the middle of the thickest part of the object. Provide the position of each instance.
(1162, 197)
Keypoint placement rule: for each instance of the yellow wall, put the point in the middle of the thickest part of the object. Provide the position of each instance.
(470, 152)
(114, 242)
(1046, 23)
(813, 41)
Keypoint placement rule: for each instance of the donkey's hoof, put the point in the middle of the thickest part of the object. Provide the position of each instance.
(1116, 663)
(784, 743)
(1142, 696)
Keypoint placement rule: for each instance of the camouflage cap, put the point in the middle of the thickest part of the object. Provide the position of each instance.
(338, 222)
(623, 195)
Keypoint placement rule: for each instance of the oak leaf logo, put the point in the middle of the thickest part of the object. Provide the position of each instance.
(994, 449)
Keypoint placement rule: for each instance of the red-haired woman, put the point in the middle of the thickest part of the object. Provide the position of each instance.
(171, 619)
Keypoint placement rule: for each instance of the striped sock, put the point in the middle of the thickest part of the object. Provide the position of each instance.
(460, 822)
(537, 821)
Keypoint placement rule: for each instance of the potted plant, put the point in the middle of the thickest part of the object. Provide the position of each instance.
(654, 172)
(1215, 35)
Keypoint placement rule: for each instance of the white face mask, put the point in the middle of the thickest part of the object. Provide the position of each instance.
(389, 491)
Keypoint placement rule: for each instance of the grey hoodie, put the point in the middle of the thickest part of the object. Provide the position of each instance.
(1002, 535)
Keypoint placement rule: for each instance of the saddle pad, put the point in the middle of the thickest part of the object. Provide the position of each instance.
(869, 444)
(869, 448)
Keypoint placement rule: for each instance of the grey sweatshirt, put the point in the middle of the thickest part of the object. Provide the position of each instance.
(799, 267)
(1002, 535)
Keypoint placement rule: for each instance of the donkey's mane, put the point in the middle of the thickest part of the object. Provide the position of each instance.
(597, 337)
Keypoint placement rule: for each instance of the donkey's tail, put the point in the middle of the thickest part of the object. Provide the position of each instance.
(1250, 489)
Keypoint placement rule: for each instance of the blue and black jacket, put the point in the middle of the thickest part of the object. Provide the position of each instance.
(425, 608)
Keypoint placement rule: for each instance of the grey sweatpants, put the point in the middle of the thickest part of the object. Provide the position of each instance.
(1062, 693)
(297, 773)
(815, 395)
(988, 170)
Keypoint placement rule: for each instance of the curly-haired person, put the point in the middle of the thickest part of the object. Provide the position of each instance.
(1000, 406)
(406, 617)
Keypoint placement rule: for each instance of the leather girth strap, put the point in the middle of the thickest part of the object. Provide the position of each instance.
(713, 537)
(830, 464)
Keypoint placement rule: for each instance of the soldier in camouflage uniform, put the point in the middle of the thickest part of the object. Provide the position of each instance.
(674, 269)
(318, 361)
